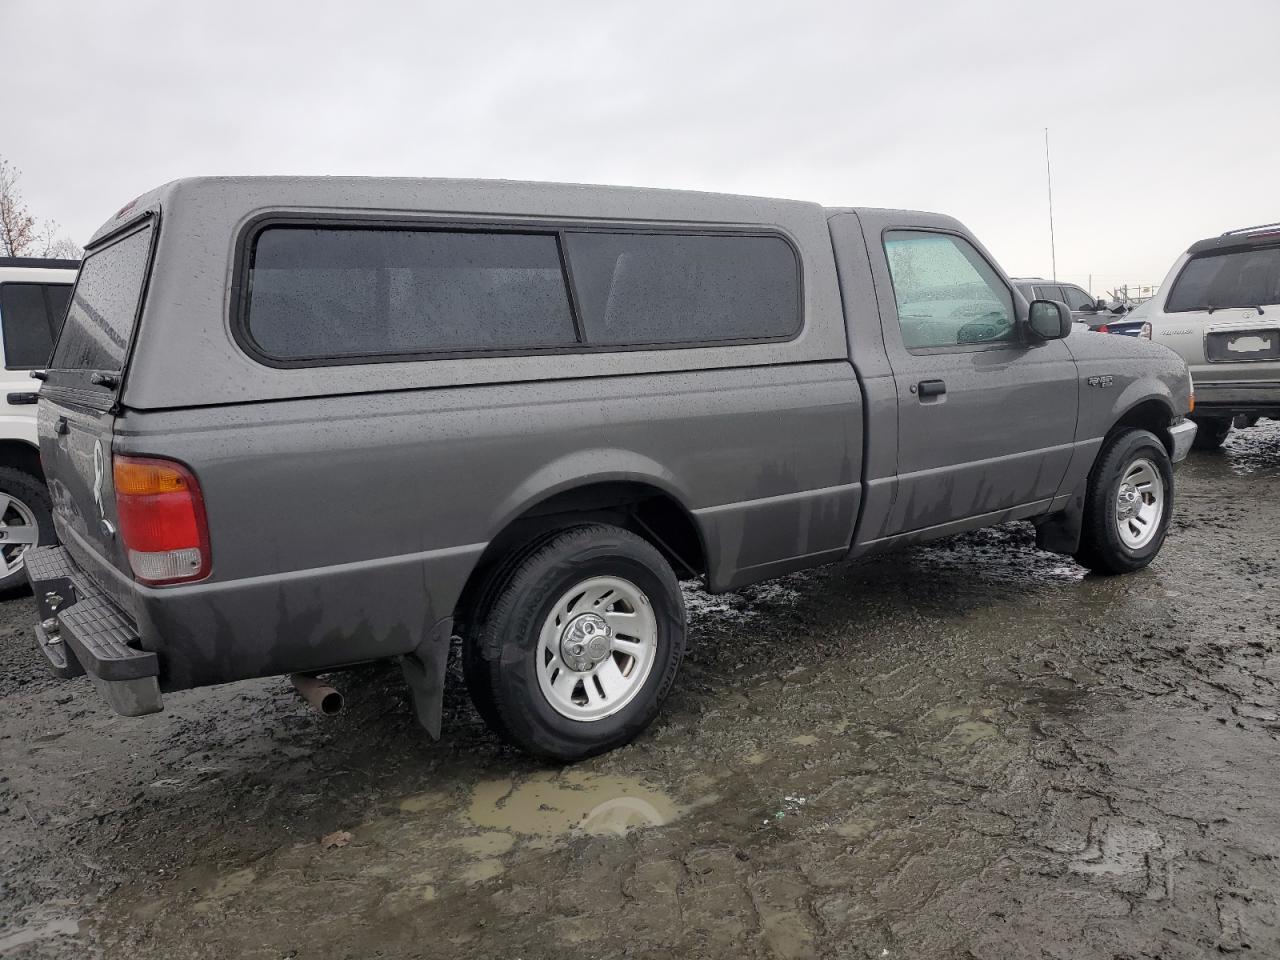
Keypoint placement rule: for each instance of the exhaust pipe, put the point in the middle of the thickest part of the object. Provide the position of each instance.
(321, 697)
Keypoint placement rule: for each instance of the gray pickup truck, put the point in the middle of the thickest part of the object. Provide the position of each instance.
(297, 424)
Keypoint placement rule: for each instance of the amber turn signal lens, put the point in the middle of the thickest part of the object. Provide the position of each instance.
(140, 478)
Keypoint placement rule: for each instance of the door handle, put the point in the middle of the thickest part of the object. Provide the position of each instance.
(24, 397)
(61, 427)
(932, 388)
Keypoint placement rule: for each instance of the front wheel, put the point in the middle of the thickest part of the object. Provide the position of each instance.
(580, 645)
(1128, 504)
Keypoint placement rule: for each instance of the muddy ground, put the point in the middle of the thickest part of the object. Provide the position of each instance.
(969, 749)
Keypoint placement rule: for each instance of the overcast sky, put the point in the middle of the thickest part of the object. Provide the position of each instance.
(1162, 115)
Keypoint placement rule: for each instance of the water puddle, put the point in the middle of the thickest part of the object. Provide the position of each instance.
(439, 843)
(490, 844)
(558, 804)
(970, 732)
(33, 933)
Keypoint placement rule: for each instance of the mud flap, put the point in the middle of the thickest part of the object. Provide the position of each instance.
(131, 698)
(1060, 532)
(424, 672)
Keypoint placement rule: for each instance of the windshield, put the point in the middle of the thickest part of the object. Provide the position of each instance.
(104, 306)
(1243, 278)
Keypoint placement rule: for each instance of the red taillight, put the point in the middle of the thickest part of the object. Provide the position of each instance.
(162, 523)
(1102, 329)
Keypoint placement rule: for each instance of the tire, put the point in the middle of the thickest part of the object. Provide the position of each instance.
(473, 670)
(24, 500)
(1132, 470)
(1211, 432)
(519, 657)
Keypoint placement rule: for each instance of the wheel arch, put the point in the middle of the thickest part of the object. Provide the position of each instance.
(1153, 413)
(646, 503)
(21, 455)
(610, 486)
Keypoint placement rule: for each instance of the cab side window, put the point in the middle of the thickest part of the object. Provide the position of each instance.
(947, 294)
(1077, 299)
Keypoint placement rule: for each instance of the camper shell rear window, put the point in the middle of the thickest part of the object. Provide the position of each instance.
(104, 305)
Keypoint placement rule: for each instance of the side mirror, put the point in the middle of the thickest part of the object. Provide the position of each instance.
(1049, 319)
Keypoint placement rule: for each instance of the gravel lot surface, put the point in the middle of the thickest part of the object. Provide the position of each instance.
(968, 749)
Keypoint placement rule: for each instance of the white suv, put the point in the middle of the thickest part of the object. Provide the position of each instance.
(1220, 309)
(34, 294)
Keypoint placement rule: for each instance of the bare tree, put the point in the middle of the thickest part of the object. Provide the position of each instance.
(17, 226)
(52, 242)
(21, 235)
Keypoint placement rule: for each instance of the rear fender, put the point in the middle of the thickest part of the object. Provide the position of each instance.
(583, 468)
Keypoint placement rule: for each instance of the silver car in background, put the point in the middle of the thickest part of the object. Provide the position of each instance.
(1219, 309)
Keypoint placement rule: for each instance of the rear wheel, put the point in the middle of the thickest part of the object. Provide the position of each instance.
(580, 646)
(1128, 504)
(1211, 432)
(25, 521)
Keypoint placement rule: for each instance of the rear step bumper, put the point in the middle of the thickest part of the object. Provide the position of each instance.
(82, 631)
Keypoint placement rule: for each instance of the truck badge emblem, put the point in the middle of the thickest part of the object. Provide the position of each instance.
(1104, 381)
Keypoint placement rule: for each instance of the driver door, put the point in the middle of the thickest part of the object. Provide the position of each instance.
(986, 417)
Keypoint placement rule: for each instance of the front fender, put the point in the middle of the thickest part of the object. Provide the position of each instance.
(1117, 374)
(1140, 391)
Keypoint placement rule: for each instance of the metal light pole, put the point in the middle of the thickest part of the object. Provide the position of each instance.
(1048, 173)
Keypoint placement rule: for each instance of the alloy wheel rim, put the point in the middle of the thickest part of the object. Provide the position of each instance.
(18, 532)
(1140, 500)
(596, 648)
